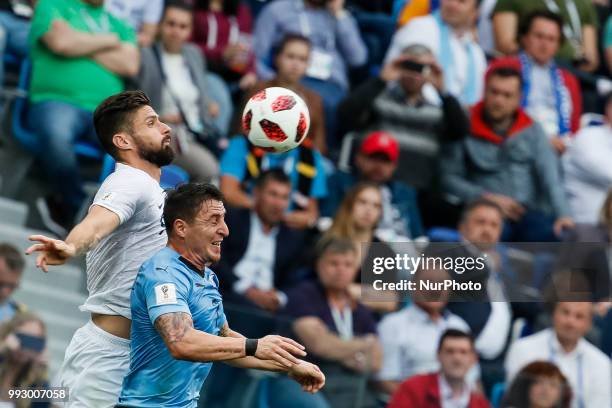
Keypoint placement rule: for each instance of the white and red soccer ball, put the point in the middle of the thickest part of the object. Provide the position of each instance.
(276, 119)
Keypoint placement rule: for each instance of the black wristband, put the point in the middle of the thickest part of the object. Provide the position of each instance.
(250, 347)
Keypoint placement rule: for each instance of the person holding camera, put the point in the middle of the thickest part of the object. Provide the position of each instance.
(22, 358)
(395, 103)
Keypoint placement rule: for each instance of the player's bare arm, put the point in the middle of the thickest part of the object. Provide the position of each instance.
(98, 223)
(186, 343)
(308, 375)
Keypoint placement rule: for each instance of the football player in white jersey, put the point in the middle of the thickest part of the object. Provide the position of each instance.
(123, 228)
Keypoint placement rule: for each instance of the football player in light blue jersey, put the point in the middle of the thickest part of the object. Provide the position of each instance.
(178, 324)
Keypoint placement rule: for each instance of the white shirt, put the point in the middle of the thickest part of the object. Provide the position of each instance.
(410, 341)
(256, 268)
(425, 31)
(588, 172)
(446, 394)
(541, 101)
(112, 265)
(182, 88)
(136, 12)
(587, 369)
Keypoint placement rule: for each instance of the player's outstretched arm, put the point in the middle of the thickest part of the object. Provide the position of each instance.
(308, 375)
(98, 223)
(186, 343)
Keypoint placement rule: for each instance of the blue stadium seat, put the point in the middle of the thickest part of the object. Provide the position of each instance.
(497, 392)
(443, 234)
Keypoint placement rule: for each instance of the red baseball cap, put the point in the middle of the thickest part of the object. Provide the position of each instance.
(381, 142)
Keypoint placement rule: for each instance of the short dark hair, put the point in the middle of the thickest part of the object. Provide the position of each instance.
(527, 22)
(272, 175)
(12, 257)
(185, 201)
(289, 38)
(115, 115)
(455, 334)
(505, 72)
(178, 4)
(478, 203)
(329, 244)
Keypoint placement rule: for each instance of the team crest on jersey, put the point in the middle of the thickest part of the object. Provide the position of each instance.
(165, 294)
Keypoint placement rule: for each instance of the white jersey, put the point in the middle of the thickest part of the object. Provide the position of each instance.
(112, 265)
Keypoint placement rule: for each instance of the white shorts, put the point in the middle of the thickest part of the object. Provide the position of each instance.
(94, 366)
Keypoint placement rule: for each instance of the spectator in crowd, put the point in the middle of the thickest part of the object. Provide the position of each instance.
(261, 254)
(173, 75)
(142, 15)
(539, 384)
(376, 162)
(11, 270)
(223, 31)
(587, 169)
(336, 45)
(579, 47)
(586, 252)
(490, 312)
(242, 163)
(448, 386)
(508, 160)
(394, 102)
(449, 33)
(587, 369)
(406, 354)
(356, 220)
(23, 362)
(339, 332)
(551, 95)
(89, 52)
(291, 61)
(14, 29)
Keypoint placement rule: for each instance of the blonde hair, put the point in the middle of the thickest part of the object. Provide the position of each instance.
(343, 226)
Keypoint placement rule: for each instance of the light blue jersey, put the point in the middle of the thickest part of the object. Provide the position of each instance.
(168, 283)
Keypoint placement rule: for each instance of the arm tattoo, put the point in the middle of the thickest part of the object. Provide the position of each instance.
(173, 326)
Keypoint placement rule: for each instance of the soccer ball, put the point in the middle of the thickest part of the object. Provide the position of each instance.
(276, 119)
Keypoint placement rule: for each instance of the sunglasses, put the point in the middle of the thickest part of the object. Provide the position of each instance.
(422, 69)
(31, 343)
(12, 286)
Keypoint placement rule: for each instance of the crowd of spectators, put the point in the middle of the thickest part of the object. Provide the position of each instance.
(484, 121)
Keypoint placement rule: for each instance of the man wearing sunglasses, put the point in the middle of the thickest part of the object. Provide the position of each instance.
(11, 268)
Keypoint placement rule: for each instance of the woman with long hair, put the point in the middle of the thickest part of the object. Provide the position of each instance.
(22, 357)
(538, 385)
(356, 220)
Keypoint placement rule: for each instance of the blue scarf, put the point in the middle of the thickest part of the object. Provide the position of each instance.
(469, 93)
(563, 103)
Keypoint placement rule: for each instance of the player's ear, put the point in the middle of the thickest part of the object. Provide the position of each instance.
(122, 141)
(179, 228)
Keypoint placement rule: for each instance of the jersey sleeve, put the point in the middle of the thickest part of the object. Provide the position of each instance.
(165, 293)
(44, 14)
(121, 195)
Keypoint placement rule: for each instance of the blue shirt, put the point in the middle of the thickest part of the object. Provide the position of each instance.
(168, 283)
(233, 163)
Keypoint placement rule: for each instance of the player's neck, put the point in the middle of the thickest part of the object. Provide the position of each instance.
(151, 169)
(195, 260)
